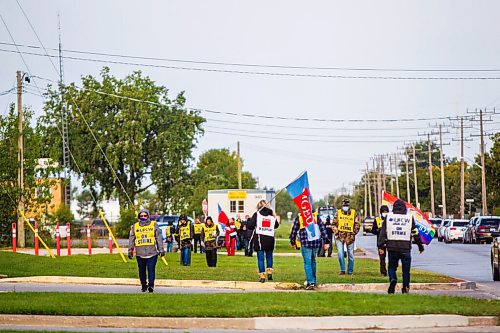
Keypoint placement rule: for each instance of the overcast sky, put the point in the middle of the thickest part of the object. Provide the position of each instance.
(354, 34)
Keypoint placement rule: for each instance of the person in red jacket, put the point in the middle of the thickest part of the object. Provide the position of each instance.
(231, 238)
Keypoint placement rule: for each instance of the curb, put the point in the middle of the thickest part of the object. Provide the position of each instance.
(239, 285)
(259, 323)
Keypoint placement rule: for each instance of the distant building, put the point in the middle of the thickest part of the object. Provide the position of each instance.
(38, 211)
(237, 203)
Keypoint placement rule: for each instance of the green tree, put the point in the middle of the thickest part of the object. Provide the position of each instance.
(146, 143)
(216, 169)
(285, 204)
(63, 214)
(87, 208)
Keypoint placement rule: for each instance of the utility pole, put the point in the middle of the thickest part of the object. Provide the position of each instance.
(462, 170)
(366, 196)
(369, 191)
(392, 179)
(397, 177)
(483, 171)
(417, 204)
(431, 176)
(443, 189)
(20, 159)
(380, 187)
(408, 194)
(383, 172)
(239, 165)
(375, 185)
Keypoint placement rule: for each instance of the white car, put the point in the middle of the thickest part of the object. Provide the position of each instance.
(441, 229)
(455, 230)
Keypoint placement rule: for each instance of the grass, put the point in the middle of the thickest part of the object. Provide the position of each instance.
(239, 268)
(242, 304)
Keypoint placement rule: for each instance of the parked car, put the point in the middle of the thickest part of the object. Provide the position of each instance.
(495, 260)
(436, 222)
(467, 239)
(368, 224)
(455, 231)
(486, 228)
(441, 229)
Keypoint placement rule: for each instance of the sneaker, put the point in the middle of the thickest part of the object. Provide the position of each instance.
(392, 286)
(314, 285)
(310, 286)
(341, 273)
(151, 289)
(405, 290)
(351, 273)
(270, 277)
(144, 288)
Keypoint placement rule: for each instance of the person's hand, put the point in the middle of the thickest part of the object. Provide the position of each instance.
(381, 251)
(292, 245)
(130, 255)
(326, 247)
(162, 254)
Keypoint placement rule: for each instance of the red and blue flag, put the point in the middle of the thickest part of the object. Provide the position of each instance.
(222, 218)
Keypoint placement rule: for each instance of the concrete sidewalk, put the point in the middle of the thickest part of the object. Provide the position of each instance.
(258, 323)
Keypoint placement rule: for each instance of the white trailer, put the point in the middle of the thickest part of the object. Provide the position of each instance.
(237, 203)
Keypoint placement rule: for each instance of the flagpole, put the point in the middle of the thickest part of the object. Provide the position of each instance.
(274, 197)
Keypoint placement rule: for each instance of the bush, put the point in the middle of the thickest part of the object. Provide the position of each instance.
(127, 219)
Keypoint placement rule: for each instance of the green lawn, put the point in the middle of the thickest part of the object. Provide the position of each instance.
(241, 304)
(239, 268)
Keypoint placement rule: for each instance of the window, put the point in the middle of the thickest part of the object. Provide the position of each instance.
(232, 206)
(241, 206)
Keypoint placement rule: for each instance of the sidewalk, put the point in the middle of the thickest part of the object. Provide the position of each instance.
(258, 323)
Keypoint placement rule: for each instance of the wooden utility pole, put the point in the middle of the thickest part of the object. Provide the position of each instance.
(392, 179)
(462, 170)
(443, 189)
(397, 177)
(408, 194)
(483, 169)
(375, 185)
(20, 159)
(379, 179)
(239, 165)
(365, 211)
(417, 204)
(382, 168)
(369, 191)
(431, 176)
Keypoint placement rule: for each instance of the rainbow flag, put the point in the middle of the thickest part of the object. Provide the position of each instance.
(425, 228)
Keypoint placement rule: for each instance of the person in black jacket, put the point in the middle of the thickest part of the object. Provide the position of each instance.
(263, 223)
(247, 235)
(377, 226)
(396, 234)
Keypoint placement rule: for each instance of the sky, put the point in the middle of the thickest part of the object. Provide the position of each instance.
(431, 35)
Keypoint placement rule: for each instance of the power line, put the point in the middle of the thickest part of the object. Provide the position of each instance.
(276, 74)
(237, 64)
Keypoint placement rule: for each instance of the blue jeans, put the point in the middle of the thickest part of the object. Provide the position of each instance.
(148, 264)
(186, 256)
(169, 246)
(350, 256)
(260, 260)
(394, 258)
(309, 258)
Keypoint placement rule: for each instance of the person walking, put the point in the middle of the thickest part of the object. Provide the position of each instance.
(345, 227)
(329, 233)
(309, 248)
(146, 239)
(377, 226)
(169, 238)
(395, 236)
(209, 236)
(239, 233)
(231, 238)
(264, 223)
(247, 236)
(185, 235)
(198, 229)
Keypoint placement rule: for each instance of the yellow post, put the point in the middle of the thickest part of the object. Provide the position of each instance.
(112, 236)
(37, 234)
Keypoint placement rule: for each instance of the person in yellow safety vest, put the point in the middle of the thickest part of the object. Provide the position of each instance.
(185, 234)
(345, 226)
(209, 236)
(145, 237)
(377, 226)
(198, 229)
(169, 240)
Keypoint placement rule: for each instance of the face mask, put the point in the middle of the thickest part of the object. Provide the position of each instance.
(384, 215)
(142, 218)
(345, 209)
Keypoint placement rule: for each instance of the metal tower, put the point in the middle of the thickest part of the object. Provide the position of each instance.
(64, 127)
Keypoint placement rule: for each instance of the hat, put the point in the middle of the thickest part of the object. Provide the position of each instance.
(384, 208)
(345, 202)
(183, 217)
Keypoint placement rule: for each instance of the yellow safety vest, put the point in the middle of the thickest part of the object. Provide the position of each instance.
(168, 231)
(144, 235)
(209, 232)
(198, 227)
(346, 222)
(237, 224)
(379, 221)
(185, 232)
(301, 221)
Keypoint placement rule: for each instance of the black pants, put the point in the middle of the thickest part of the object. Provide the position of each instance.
(381, 257)
(197, 240)
(211, 257)
(149, 265)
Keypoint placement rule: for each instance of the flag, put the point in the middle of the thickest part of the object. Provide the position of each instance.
(425, 228)
(299, 191)
(222, 218)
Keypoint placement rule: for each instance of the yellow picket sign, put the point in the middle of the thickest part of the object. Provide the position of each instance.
(112, 236)
(36, 233)
(164, 260)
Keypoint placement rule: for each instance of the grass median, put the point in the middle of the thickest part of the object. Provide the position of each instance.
(237, 268)
(241, 305)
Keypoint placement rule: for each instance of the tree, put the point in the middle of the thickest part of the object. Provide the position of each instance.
(492, 171)
(216, 169)
(285, 204)
(63, 214)
(87, 208)
(146, 143)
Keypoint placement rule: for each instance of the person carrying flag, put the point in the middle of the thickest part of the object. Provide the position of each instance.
(146, 238)
(264, 223)
(396, 235)
(209, 236)
(377, 226)
(345, 226)
(185, 235)
(198, 228)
